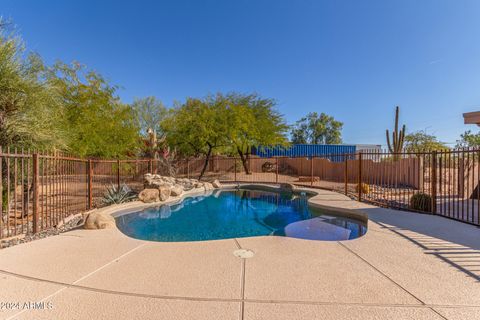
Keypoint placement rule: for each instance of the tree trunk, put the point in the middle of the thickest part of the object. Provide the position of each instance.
(207, 158)
(243, 157)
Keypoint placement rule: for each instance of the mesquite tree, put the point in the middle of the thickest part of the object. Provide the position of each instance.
(252, 121)
(197, 128)
(317, 129)
(224, 124)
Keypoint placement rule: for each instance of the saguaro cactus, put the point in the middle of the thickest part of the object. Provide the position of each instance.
(397, 136)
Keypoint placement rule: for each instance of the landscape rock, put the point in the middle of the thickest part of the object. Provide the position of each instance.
(154, 181)
(169, 180)
(157, 184)
(147, 176)
(216, 184)
(207, 186)
(164, 193)
(188, 187)
(169, 186)
(149, 195)
(97, 220)
(147, 179)
(70, 224)
(176, 190)
(184, 183)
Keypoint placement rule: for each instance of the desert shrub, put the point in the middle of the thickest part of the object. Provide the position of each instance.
(365, 188)
(421, 202)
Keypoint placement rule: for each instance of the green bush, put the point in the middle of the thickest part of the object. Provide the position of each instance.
(421, 202)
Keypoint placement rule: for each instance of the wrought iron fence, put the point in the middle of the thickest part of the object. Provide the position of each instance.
(40, 190)
(445, 183)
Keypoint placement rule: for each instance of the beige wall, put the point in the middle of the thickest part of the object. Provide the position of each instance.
(407, 172)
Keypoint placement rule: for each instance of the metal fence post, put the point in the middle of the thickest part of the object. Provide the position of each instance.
(235, 168)
(150, 166)
(35, 192)
(311, 171)
(188, 169)
(276, 170)
(118, 174)
(345, 176)
(89, 184)
(360, 177)
(433, 181)
(136, 169)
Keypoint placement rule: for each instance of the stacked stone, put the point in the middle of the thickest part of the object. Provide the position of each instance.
(159, 188)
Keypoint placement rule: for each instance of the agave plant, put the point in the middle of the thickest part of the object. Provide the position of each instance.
(116, 195)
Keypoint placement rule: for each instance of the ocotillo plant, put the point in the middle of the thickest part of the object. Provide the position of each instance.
(397, 136)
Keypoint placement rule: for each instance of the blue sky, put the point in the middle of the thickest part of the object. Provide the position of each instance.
(354, 60)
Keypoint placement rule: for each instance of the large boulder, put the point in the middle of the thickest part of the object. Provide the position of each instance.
(164, 193)
(176, 190)
(147, 176)
(149, 195)
(152, 181)
(207, 186)
(198, 184)
(147, 179)
(187, 187)
(216, 184)
(168, 180)
(97, 220)
(184, 183)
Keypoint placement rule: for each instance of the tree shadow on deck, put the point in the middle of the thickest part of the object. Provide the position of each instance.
(455, 243)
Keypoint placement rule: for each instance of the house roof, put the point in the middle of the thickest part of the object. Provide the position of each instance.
(472, 117)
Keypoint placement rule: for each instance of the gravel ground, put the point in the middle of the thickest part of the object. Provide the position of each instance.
(73, 223)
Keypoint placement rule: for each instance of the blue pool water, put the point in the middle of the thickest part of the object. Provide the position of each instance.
(238, 213)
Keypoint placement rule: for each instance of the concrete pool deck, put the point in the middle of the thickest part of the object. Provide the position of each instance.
(407, 266)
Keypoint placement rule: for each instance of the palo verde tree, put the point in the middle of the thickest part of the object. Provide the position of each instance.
(30, 110)
(197, 127)
(420, 141)
(98, 124)
(468, 139)
(252, 121)
(317, 129)
(398, 136)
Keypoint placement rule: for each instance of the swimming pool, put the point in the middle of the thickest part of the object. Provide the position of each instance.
(238, 213)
